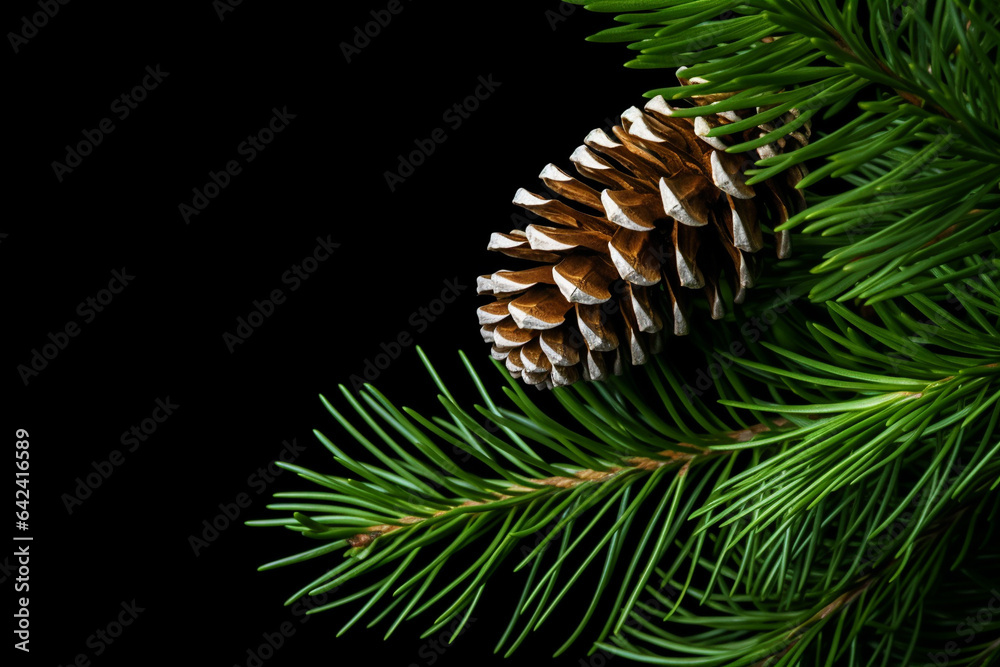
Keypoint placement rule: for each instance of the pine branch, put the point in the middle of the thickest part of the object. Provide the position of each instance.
(550, 507)
(634, 464)
(813, 501)
(861, 434)
(921, 153)
(875, 611)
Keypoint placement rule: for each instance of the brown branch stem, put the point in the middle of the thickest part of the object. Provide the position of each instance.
(663, 458)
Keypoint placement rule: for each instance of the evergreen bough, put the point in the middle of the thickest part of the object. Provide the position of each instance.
(827, 492)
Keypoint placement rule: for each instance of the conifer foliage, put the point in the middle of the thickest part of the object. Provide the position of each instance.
(828, 492)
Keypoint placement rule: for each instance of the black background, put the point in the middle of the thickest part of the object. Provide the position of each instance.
(162, 336)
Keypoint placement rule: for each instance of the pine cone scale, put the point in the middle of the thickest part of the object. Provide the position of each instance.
(682, 199)
(565, 185)
(633, 257)
(584, 279)
(539, 308)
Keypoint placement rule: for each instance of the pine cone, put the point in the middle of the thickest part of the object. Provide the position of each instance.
(674, 215)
